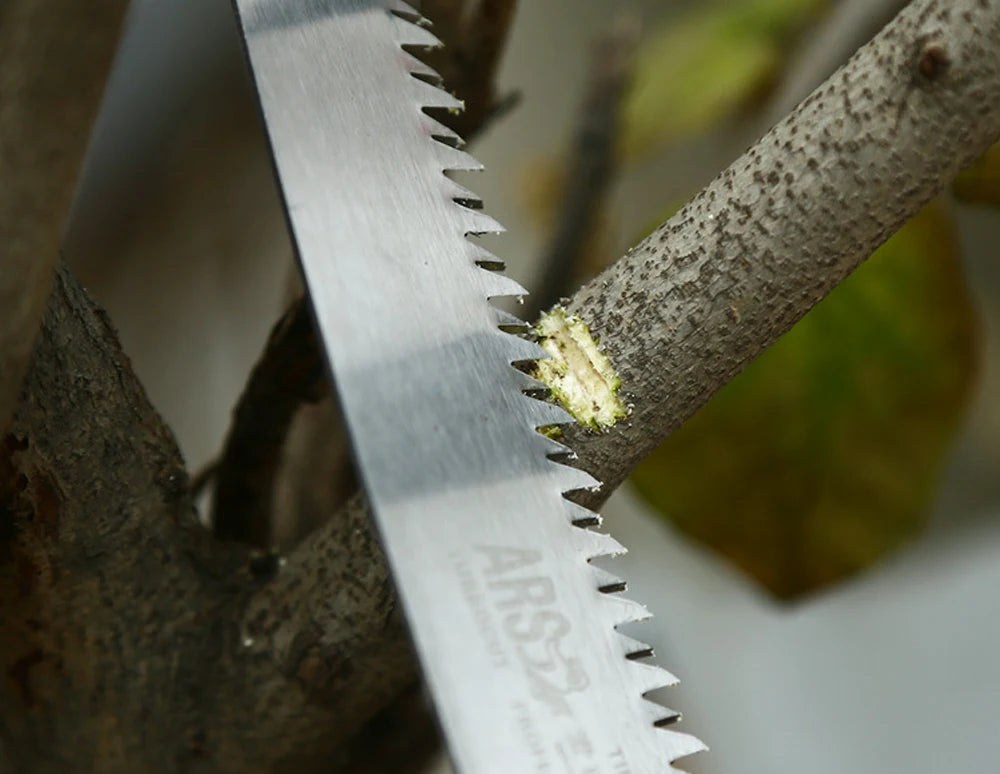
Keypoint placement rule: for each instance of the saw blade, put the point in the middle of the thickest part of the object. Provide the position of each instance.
(514, 628)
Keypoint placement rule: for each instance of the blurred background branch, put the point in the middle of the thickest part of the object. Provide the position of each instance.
(55, 56)
(591, 167)
(475, 34)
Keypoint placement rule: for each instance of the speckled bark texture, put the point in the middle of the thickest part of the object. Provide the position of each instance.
(132, 642)
(691, 305)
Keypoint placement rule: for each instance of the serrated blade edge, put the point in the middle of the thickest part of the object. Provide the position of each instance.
(516, 640)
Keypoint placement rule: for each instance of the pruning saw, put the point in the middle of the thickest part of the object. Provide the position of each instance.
(513, 626)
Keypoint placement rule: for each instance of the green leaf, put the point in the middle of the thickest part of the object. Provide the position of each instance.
(694, 71)
(979, 183)
(823, 454)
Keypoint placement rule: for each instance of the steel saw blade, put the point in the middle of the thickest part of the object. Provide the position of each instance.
(513, 627)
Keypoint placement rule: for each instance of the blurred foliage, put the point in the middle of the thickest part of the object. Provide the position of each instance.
(694, 71)
(823, 454)
(979, 183)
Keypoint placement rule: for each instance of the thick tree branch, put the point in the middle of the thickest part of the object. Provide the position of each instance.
(132, 642)
(54, 59)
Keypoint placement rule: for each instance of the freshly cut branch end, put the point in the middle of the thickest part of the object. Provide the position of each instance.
(580, 376)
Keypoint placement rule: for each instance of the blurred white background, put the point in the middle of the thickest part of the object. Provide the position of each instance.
(178, 232)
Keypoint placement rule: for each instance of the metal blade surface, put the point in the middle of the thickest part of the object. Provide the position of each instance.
(515, 637)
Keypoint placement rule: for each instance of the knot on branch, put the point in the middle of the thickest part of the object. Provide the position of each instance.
(934, 61)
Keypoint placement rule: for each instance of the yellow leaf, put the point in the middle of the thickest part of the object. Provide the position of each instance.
(822, 455)
(979, 183)
(692, 72)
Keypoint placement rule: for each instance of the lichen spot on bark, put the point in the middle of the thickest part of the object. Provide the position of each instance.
(580, 376)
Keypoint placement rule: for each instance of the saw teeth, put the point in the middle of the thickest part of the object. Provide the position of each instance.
(546, 413)
(406, 11)
(552, 447)
(580, 479)
(622, 610)
(665, 717)
(462, 195)
(475, 223)
(455, 160)
(507, 320)
(409, 33)
(608, 582)
(496, 285)
(676, 744)
(580, 514)
(430, 96)
(595, 544)
(635, 649)
(443, 134)
(576, 480)
(525, 382)
(591, 520)
(660, 715)
(584, 517)
(618, 611)
(422, 71)
(648, 677)
(478, 254)
(532, 387)
(521, 350)
(494, 264)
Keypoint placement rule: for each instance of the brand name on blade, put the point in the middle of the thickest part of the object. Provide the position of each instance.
(528, 616)
(515, 607)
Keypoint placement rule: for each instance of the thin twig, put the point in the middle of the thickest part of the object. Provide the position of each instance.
(291, 371)
(474, 41)
(592, 167)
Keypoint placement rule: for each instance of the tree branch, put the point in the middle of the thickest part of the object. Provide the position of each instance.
(54, 60)
(132, 641)
(707, 291)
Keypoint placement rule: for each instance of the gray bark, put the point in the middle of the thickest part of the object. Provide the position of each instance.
(686, 309)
